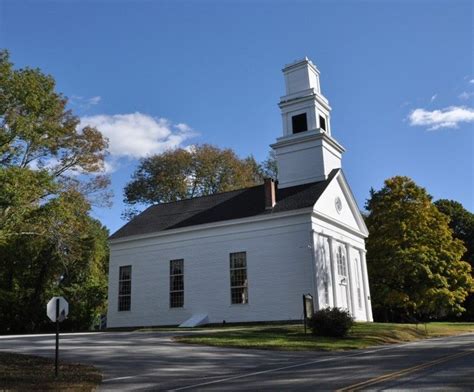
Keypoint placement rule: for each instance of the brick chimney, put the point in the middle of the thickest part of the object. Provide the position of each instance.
(270, 193)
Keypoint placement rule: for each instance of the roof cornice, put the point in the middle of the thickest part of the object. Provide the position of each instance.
(220, 224)
(300, 64)
(302, 96)
(328, 219)
(308, 136)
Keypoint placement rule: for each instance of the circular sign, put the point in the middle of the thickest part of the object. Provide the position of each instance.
(338, 204)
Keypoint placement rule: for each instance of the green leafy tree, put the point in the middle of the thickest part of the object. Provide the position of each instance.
(37, 129)
(461, 222)
(414, 263)
(50, 173)
(21, 191)
(66, 242)
(180, 174)
(269, 167)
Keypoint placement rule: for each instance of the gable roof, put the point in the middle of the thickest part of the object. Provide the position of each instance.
(242, 203)
(349, 217)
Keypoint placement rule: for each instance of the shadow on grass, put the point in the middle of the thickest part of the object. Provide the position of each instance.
(292, 338)
(27, 372)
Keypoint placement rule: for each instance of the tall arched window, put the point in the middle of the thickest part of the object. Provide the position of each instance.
(341, 261)
(324, 249)
(359, 291)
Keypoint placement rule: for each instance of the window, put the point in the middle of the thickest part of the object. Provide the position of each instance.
(341, 261)
(322, 123)
(238, 278)
(326, 291)
(176, 283)
(359, 293)
(299, 123)
(325, 265)
(125, 288)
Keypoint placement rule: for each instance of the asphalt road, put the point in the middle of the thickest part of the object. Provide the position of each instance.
(151, 361)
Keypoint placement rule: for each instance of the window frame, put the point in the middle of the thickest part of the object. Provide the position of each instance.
(127, 305)
(298, 117)
(341, 261)
(245, 286)
(324, 247)
(325, 123)
(173, 304)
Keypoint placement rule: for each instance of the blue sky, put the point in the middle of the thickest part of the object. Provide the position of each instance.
(153, 75)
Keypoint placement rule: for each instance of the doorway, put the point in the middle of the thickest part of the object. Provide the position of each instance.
(341, 281)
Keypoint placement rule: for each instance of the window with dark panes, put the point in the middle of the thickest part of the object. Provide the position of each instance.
(177, 283)
(238, 278)
(341, 261)
(322, 123)
(125, 288)
(299, 123)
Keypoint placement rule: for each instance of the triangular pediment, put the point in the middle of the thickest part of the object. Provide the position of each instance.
(337, 203)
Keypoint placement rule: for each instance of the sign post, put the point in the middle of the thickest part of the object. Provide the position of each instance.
(308, 308)
(57, 311)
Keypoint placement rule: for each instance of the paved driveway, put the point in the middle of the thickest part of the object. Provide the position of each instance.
(151, 361)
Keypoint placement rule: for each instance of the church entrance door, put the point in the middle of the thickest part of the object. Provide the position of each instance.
(343, 294)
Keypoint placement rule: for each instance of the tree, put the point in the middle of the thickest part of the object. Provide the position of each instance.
(269, 167)
(414, 263)
(180, 174)
(50, 173)
(70, 245)
(461, 222)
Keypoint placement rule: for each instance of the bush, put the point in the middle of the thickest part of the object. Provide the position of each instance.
(331, 322)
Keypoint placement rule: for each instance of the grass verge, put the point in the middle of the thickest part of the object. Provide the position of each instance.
(20, 372)
(292, 337)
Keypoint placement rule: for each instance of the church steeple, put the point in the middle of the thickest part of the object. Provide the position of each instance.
(306, 152)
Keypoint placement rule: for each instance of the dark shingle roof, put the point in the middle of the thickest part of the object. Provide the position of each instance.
(225, 206)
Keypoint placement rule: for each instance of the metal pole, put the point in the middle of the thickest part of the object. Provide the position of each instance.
(57, 339)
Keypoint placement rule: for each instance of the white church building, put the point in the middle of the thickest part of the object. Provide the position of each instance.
(250, 254)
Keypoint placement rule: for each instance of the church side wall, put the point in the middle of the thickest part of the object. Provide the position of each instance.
(279, 271)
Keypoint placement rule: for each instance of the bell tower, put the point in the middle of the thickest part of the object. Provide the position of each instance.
(306, 152)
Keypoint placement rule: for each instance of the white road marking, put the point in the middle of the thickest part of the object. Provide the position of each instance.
(118, 378)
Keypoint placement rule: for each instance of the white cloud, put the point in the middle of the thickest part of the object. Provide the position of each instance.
(110, 166)
(43, 163)
(94, 100)
(84, 102)
(471, 81)
(465, 95)
(51, 164)
(137, 135)
(433, 97)
(449, 117)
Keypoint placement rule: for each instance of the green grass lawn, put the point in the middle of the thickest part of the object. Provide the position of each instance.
(292, 337)
(26, 372)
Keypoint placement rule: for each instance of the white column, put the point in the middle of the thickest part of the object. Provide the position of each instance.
(365, 279)
(314, 268)
(333, 273)
(351, 280)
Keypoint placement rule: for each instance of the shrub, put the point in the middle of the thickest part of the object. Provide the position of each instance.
(331, 322)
